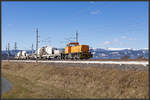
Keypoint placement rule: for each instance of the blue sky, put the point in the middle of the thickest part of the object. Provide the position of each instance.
(99, 24)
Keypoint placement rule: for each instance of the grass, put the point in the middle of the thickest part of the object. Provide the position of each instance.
(31, 80)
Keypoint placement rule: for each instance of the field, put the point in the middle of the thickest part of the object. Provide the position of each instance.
(39, 80)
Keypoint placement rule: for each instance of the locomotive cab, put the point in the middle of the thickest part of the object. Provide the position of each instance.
(73, 44)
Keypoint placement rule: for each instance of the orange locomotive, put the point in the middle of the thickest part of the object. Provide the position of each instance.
(76, 51)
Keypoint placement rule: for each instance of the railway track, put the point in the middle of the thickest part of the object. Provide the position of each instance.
(145, 63)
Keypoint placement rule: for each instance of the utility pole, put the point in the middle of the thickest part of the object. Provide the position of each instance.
(6, 47)
(32, 49)
(15, 47)
(76, 36)
(37, 44)
(8, 51)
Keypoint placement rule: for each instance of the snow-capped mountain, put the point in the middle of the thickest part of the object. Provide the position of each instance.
(117, 49)
(117, 53)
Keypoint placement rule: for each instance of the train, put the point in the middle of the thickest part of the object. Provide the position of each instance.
(73, 51)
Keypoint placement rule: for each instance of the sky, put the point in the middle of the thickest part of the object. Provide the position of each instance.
(99, 24)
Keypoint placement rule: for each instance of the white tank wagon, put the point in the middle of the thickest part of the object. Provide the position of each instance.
(19, 54)
(22, 55)
(49, 52)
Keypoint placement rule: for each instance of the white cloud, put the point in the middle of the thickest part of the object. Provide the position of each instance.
(95, 12)
(116, 40)
(123, 37)
(106, 42)
(132, 38)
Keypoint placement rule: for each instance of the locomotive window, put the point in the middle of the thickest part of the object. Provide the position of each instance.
(72, 45)
(54, 48)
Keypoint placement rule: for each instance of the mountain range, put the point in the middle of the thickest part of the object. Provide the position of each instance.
(117, 53)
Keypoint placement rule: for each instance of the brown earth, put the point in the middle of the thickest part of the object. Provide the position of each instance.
(36, 80)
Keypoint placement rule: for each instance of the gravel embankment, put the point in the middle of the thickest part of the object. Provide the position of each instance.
(122, 65)
(144, 63)
(109, 66)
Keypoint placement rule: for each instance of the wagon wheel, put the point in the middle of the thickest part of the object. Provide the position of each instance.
(59, 57)
(75, 57)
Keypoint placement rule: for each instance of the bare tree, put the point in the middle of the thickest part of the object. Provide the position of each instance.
(125, 57)
(140, 57)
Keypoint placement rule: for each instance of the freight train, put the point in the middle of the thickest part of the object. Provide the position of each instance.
(72, 51)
